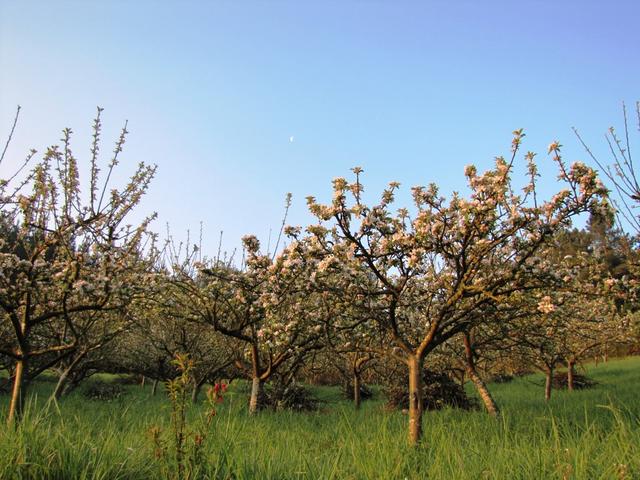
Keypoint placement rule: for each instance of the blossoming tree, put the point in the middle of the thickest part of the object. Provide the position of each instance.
(442, 262)
(70, 256)
(265, 306)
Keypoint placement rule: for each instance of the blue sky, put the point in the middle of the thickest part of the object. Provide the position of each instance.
(214, 91)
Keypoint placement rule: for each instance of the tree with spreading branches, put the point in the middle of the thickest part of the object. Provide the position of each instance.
(437, 267)
(69, 257)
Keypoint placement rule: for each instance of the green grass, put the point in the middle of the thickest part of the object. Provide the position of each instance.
(593, 434)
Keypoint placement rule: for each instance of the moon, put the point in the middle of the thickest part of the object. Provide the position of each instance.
(291, 139)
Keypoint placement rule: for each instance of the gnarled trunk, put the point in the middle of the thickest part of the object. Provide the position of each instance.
(154, 388)
(415, 399)
(356, 390)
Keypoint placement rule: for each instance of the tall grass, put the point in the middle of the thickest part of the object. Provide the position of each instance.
(591, 434)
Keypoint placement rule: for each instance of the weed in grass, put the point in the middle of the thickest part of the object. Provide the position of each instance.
(186, 459)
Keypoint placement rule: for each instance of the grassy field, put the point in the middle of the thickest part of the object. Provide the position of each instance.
(583, 435)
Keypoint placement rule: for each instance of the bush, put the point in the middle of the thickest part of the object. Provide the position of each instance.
(501, 378)
(438, 391)
(365, 392)
(104, 391)
(129, 379)
(580, 382)
(290, 397)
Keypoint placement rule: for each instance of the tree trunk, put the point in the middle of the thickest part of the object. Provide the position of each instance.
(489, 403)
(570, 372)
(415, 399)
(356, 390)
(481, 387)
(154, 388)
(18, 393)
(256, 395)
(142, 381)
(57, 392)
(548, 382)
(60, 386)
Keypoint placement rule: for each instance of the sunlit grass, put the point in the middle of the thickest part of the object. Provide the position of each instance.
(587, 434)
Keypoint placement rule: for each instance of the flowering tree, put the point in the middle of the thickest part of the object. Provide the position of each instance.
(158, 335)
(333, 295)
(167, 322)
(436, 268)
(69, 257)
(291, 308)
(580, 312)
(351, 355)
(620, 171)
(95, 334)
(538, 335)
(264, 306)
(216, 294)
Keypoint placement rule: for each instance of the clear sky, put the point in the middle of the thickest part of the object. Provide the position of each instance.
(240, 102)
